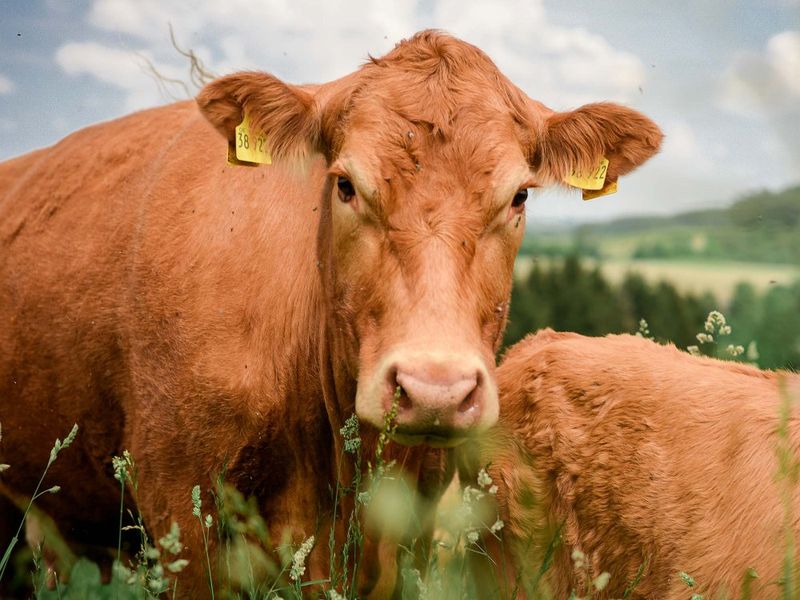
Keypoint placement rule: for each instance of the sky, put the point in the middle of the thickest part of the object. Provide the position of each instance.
(721, 77)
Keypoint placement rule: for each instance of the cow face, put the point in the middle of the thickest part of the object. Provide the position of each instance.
(431, 152)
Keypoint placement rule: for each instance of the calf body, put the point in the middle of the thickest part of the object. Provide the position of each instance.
(639, 454)
(213, 318)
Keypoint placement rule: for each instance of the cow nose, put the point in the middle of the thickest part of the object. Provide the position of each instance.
(436, 399)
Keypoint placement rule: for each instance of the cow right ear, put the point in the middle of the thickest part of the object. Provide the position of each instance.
(284, 113)
(577, 140)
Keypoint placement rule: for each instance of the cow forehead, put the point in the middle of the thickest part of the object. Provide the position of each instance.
(480, 154)
(439, 101)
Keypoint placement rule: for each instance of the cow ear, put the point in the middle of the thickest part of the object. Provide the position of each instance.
(283, 112)
(576, 141)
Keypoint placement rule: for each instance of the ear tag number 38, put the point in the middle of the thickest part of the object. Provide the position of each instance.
(594, 184)
(248, 148)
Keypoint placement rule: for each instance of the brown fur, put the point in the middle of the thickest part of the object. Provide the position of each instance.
(641, 453)
(202, 315)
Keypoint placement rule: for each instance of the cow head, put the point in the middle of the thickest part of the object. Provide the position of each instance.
(430, 154)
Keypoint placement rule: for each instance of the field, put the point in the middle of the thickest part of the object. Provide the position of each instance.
(688, 276)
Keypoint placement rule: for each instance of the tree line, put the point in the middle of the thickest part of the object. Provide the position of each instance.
(568, 296)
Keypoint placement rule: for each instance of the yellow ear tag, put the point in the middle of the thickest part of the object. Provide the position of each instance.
(593, 185)
(608, 188)
(593, 181)
(247, 148)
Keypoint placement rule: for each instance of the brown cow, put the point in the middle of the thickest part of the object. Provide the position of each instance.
(638, 453)
(201, 315)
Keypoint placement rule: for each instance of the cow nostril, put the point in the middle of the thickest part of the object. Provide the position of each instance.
(394, 389)
(472, 399)
(403, 401)
(468, 403)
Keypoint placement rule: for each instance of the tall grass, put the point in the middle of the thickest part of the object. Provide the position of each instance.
(458, 564)
(57, 448)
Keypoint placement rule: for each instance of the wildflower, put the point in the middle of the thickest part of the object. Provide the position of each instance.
(472, 536)
(483, 478)
(171, 542)
(716, 318)
(470, 494)
(704, 338)
(59, 445)
(352, 441)
(578, 558)
(334, 595)
(752, 351)
(693, 350)
(299, 559)
(644, 330)
(734, 350)
(493, 490)
(601, 581)
(53, 490)
(196, 502)
(120, 468)
(716, 322)
(497, 526)
(122, 572)
(3, 467)
(177, 566)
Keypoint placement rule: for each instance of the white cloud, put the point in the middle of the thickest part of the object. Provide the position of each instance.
(681, 149)
(766, 86)
(313, 40)
(6, 85)
(561, 66)
(767, 81)
(122, 69)
(784, 55)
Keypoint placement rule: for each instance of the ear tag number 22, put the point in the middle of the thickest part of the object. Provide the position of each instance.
(248, 148)
(594, 184)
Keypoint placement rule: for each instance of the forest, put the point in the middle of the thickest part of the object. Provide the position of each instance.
(565, 287)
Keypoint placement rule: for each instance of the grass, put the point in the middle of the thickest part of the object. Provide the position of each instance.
(459, 564)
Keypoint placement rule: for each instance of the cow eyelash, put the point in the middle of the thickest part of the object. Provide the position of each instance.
(346, 190)
(520, 197)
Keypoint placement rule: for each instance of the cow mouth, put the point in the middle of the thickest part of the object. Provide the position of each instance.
(436, 437)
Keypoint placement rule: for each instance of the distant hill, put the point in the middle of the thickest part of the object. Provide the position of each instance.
(762, 227)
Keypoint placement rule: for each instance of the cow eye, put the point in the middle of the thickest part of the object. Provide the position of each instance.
(519, 198)
(346, 189)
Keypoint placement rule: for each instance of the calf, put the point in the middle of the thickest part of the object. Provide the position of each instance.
(631, 455)
(205, 315)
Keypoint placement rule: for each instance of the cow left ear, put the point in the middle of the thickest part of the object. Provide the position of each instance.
(576, 141)
(283, 112)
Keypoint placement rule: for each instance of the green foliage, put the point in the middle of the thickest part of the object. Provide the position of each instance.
(568, 296)
(763, 227)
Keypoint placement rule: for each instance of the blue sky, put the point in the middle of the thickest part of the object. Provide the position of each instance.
(722, 77)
